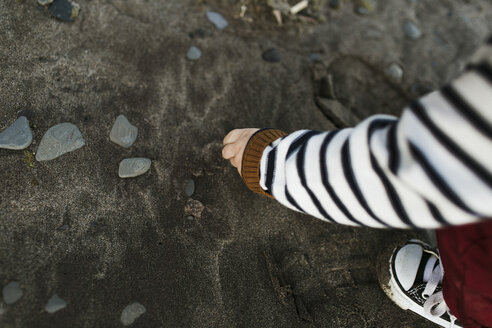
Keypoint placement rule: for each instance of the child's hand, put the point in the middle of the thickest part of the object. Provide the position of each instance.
(234, 144)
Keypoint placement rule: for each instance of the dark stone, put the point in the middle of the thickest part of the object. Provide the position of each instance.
(65, 10)
(271, 55)
(334, 4)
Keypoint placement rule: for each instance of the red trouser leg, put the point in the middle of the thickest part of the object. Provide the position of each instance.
(466, 256)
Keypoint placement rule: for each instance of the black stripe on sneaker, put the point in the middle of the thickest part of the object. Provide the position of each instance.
(483, 69)
(323, 164)
(272, 158)
(478, 170)
(349, 176)
(300, 160)
(299, 141)
(465, 109)
(436, 179)
(391, 192)
(393, 152)
(436, 214)
(419, 277)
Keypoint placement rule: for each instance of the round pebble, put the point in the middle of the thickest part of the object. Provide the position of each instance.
(194, 53)
(271, 55)
(395, 72)
(12, 292)
(16, 136)
(55, 303)
(412, 31)
(133, 167)
(189, 188)
(131, 313)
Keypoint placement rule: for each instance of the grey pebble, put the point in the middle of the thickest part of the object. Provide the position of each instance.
(55, 303)
(193, 53)
(395, 72)
(16, 136)
(271, 55)
(132, 167)
(131, 313)
(58, 140)
(123, 133)
(217, 19)
(365, 7)
(65, 10)
(411, 30)
(189, 188)
(12, 292)
(314, 57)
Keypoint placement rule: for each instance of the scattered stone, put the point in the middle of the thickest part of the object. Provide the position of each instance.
(11, 292)
(58, 140)
(45, 2)
(132, 167)
(190, 217)
(395, 72)
(271, 55)
(365, 7)
(123, 133)
(131, 313)
(16, 136)
(194, 208)
(189, 188)
(412, 31)
(217, 19)
(63, 227)
(334, 4)
(340, 115)
(65, 10)
(194, 53)
(314, 57)
(55, 303)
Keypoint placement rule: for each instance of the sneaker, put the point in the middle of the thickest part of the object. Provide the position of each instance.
(415, 277)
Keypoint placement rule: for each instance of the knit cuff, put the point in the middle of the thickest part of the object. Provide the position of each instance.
(250, 166)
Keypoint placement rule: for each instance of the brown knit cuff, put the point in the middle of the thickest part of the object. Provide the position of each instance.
(250, 167)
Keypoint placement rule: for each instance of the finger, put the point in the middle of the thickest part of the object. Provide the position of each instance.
(229, 151)
(232, 136)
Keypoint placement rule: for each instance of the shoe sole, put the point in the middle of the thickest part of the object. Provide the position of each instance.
(394, 292)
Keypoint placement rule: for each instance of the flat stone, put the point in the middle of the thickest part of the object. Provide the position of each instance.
(64, 10)
(189, 188)
(217, 19)
(193, 53)
(132, 167)
(123, 133)
(395, 72)
(131, 313)
(58, 140)
(11, 292)
(55, 303)
(16, 136)
(271, 55)
(45, 2)
(412, 31)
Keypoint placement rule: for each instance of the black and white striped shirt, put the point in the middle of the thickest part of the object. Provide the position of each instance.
(430, 168)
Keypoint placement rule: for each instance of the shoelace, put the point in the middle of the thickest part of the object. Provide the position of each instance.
(434, 302)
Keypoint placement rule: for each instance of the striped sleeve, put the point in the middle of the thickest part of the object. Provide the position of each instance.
(430, 168)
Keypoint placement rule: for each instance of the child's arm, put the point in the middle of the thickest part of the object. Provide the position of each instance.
(430, 168)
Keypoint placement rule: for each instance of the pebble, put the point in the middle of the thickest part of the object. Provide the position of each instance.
(314, 57)
(55, 303)
(58, 140)
(217, 19)
(189, 188)
(65, 10)
(395, 72)
(365, 7)
(334, 4)
(411, 30)
(16, 136)
(45, 2)
(123, 133)
(194, 208)
(271, 55)
(11, 292)
(132, 167)
(131, 313)
(193, 53)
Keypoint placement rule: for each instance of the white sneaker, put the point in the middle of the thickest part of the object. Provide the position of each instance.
(415, 283)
